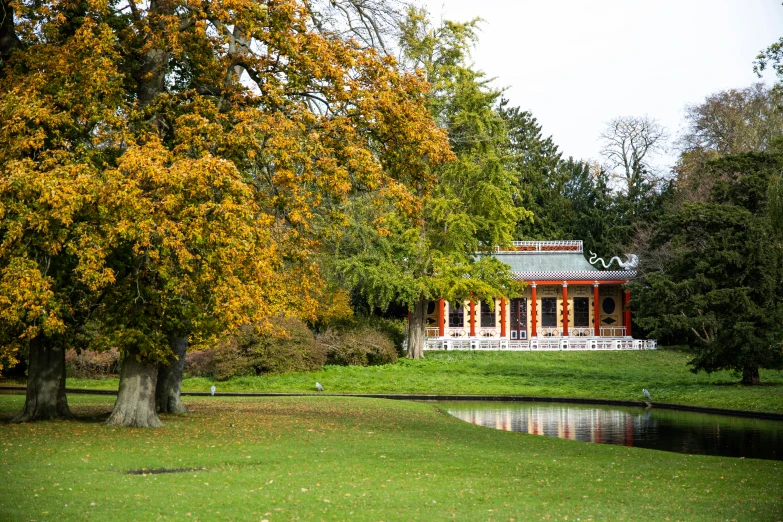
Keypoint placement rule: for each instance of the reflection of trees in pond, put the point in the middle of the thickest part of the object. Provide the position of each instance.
(684, 432)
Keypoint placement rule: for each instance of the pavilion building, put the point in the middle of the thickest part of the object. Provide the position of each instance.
(567, 304)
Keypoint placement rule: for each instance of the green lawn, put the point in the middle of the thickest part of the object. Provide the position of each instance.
(602, 375)
(324, 458)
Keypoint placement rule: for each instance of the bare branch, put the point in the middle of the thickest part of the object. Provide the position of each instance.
(372, 23)
(134, 9)
(629, 143)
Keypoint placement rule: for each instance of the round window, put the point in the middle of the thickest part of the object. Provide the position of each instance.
(608, 306)
(430, 307)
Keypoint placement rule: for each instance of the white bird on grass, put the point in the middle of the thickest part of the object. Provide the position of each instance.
(649, 397)
(319, 387)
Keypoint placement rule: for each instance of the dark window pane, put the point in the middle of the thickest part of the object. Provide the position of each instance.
(487, 316)
(548, 312)
(456, 315)
(608, 306)
(581, 311)
(431, 307)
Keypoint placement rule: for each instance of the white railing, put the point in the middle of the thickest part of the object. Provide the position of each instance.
(488, 332)
(543, 246)
(538, 344)
(550, 332)
(613, 331)
(546, 333)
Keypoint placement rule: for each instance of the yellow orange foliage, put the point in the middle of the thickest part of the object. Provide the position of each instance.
(173, 166)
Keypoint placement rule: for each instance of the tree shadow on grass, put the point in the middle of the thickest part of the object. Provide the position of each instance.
(748, 386)
(84, 415)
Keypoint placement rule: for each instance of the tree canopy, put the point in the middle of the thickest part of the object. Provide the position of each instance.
(168, 169)
(719, 285)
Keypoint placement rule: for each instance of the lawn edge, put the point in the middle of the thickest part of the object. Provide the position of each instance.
(452, 397)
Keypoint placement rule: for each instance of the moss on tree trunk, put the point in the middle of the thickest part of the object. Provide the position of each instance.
(169, 384)
(46, 397)
(135, 404)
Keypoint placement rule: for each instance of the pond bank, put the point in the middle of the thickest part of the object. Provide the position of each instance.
(452, 397)
(614, 376)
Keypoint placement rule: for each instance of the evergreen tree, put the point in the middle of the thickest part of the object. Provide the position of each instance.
(537, 166)
(431, 252)
(721, 278)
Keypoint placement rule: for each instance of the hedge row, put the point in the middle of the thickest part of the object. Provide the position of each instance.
(289, 347)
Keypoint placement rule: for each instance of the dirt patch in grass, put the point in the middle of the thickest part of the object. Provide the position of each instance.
(159, 471)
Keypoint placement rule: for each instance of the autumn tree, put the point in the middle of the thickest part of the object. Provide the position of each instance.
(734, 121)
(220, 141)
(55, 128)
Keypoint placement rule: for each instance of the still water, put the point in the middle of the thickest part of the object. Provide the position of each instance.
(668, 430)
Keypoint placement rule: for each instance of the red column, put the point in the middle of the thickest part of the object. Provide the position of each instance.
(627, 313)
(472, 318)
(502, 318)
(565, 309)
(441, 314)
(596, 311)
(534, 319)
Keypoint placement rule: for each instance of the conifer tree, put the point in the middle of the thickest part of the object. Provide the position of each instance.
(718, 285)
(466, 209)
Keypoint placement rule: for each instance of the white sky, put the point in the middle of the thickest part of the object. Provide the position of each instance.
(575, 64)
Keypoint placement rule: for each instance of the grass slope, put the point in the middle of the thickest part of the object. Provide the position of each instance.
(324, 458)
(598, 375)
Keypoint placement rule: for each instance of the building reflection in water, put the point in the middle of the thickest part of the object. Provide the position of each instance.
(683, 432)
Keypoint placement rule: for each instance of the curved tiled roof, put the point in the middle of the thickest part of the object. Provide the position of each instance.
(557, 265)
(546, 261)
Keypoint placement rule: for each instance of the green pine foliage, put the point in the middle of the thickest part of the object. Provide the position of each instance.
(389, 256)
(720, 283)
(569, 198)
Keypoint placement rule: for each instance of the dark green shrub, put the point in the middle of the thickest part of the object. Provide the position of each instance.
(289, 347)
(362, 346)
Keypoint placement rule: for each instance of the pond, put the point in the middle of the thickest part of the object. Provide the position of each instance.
(668, 430)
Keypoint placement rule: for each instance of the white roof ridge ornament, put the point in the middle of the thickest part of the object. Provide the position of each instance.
(632, 261)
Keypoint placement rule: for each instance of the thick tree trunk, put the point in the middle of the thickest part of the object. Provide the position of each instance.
(750, 375)
(8, 39)
(417, 327)
(170, 378)
(45, 384)
(135, 404)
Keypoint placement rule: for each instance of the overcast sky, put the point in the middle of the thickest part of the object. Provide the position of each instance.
(575, 64)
